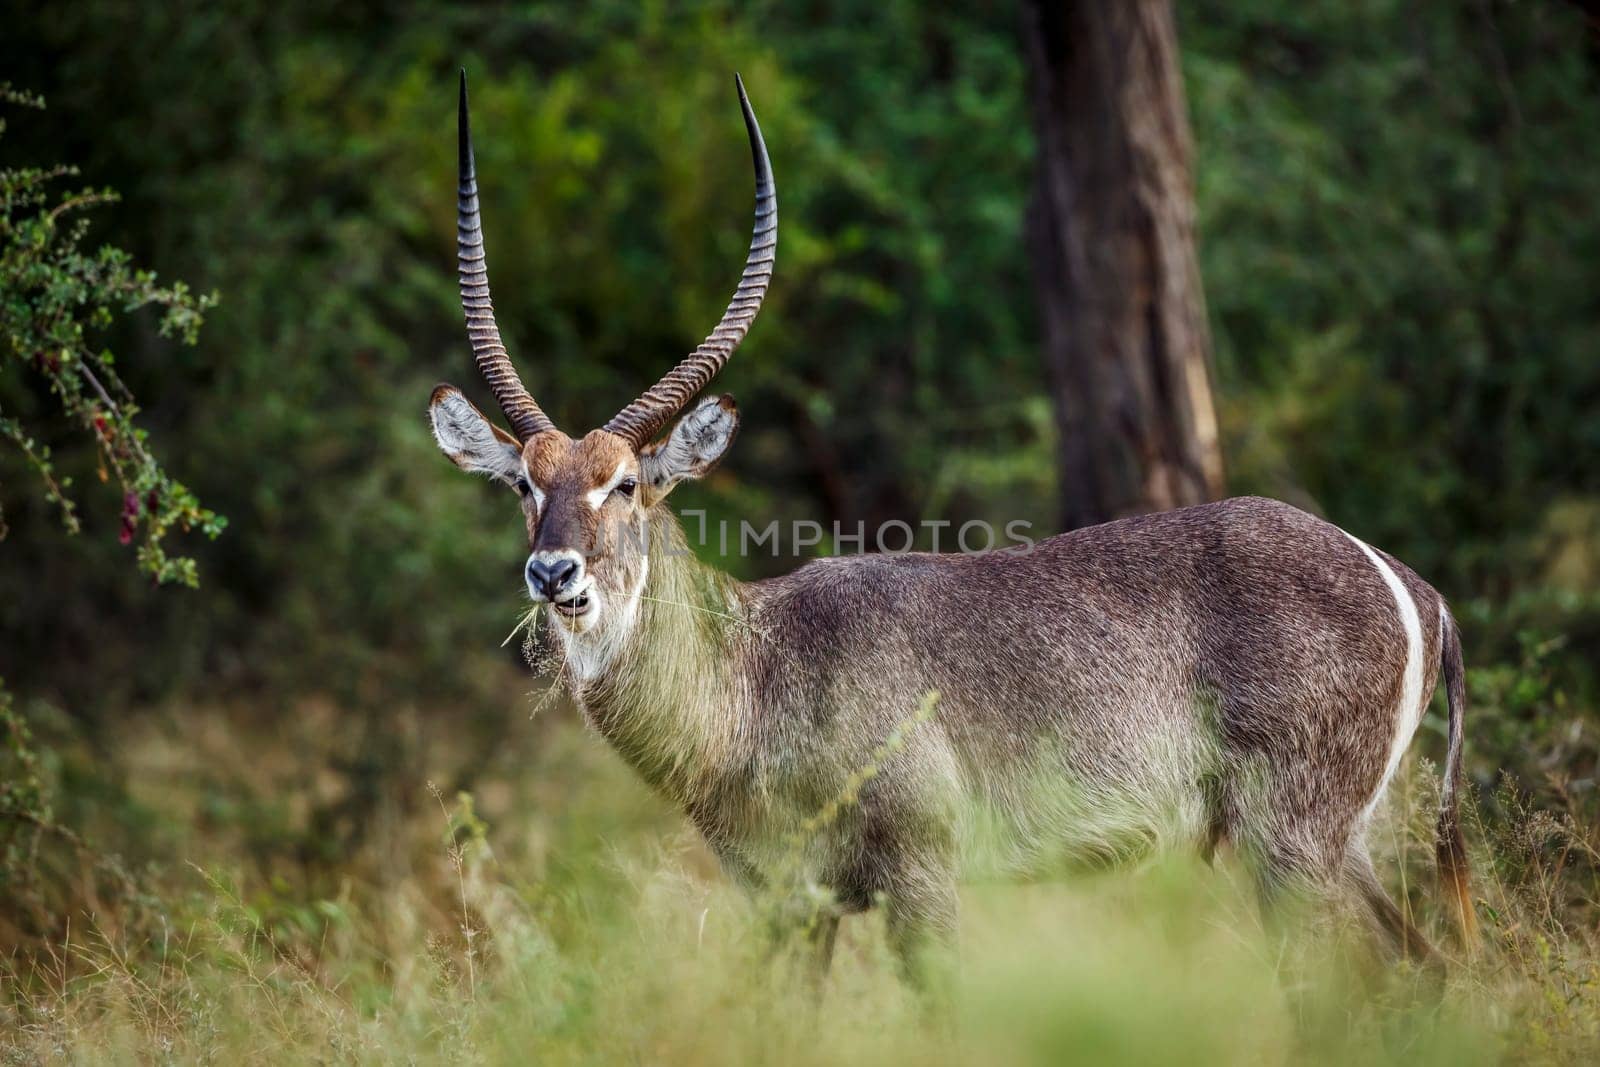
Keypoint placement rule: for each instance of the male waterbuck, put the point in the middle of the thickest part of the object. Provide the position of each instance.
(1238, 672)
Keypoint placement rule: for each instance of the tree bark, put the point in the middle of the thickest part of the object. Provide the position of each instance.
(1111, 235)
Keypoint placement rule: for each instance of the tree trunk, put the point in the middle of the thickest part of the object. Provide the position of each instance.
(1111, 234)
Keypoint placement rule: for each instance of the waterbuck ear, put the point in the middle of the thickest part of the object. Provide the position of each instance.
(472, 442)
(695, 445)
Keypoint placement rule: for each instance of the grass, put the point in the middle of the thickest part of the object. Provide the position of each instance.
(561, 914)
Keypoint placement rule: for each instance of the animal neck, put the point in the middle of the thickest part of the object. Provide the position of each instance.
(661, 686)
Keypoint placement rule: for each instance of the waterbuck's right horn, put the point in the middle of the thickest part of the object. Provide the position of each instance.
(472, 271)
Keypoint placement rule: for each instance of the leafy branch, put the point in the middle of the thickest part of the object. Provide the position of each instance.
(55, 297)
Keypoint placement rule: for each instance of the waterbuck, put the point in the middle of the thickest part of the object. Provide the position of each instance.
(1237, 672)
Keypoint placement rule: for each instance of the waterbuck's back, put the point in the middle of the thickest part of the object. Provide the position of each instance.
(1239, 669)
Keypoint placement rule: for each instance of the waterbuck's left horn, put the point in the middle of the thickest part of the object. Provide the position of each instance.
(641, 420)
(473, 273)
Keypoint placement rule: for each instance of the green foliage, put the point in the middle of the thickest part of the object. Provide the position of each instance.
(24, 804)
(1398, 238)
(48, 872)
(1394, 234)
(54, 297)
(891, 362)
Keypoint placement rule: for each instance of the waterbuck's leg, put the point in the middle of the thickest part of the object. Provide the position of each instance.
(922, 913)
(1297, 873)
(822, 935)
(1397, 934)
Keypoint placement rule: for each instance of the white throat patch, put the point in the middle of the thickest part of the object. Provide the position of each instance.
(591, 652)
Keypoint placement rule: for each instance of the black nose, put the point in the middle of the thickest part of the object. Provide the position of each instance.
(551, 577)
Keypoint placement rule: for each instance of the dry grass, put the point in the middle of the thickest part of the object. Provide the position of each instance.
(561, 914)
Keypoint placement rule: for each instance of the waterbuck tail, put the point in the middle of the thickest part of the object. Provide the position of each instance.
(1452, 847)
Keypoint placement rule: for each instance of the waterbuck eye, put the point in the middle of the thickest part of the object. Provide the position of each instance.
(627, 486)
(522, 487)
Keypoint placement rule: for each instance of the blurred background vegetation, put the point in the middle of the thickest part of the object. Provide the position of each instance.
(1398, 239)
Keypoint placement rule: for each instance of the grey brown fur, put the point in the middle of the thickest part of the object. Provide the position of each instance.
(1229, 672)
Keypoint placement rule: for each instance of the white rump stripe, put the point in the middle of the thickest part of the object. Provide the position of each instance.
(1408, 715)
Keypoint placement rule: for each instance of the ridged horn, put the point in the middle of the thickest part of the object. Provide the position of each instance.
(473, 273)
(640, 421)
